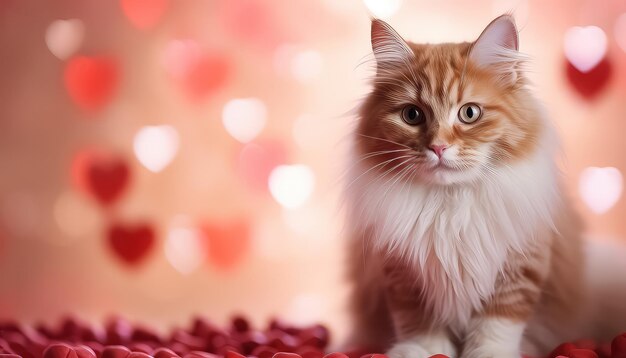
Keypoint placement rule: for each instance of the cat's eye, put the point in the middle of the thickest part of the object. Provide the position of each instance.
(469, 113)
(413, 115)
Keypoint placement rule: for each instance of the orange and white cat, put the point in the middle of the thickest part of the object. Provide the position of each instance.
(463, 241)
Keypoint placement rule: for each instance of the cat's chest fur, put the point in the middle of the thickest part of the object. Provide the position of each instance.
(457, 238)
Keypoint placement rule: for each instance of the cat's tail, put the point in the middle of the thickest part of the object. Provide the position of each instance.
(605, 311)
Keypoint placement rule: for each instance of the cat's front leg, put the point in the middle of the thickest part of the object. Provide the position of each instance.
(494, 337)
(416, 330)
(423, 345)
(497, 331)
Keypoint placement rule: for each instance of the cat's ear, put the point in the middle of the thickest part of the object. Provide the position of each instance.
(389, 47)
(497, 48)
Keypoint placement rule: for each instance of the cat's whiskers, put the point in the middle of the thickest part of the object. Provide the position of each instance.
(385, 140)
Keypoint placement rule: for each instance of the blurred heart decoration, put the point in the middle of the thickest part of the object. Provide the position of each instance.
(144, 14)
(64, 37)
(156, 146)
(227, 242)
(102, 175)
(131, 243)
(197, 71)
(291, 185)
(590, 84)
(584, 47)
(257, 160)
(91, 81)
(588, 69)
(600, 188)
(244, 118)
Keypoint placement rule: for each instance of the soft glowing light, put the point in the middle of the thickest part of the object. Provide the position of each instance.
(68, 208)
(256, 161)
(244, 118)
(184, 247)
(306, 65)
(156, 146)
(383, 9)
(584, 47)
(291, 185)
(620, 31)
(64, 37)
(600, 188)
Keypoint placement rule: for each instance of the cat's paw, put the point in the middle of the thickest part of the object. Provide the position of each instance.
(422, 348)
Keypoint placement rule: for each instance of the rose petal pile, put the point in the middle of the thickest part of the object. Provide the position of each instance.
(120, 339)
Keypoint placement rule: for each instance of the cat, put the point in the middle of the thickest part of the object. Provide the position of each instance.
(463, 241)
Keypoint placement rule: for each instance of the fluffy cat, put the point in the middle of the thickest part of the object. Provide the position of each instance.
(462, 239)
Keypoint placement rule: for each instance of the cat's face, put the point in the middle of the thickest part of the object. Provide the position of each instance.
(447, 113)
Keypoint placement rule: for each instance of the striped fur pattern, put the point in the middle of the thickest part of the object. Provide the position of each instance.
(458, 252)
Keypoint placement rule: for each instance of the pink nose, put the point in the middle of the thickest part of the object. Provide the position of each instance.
(438, 149)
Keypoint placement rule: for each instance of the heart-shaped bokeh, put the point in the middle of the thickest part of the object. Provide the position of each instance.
(257, 160)
(600, 188)
(144, 14)
(228, 242)
(244, 118)
(64, 37)
(584, 47)
(131, 243)
(590, 84)
(291, 185)
(250, 21)
(104, 176)
(197, 71)
(156, 146)
(185, 246)
(91, 81)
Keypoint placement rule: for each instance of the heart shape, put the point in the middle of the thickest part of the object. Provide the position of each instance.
(590, 84)
(131, 243)
(291, 185)
(198, 72)
(600, 188)
(185, 245)
(156, 146)
(584, 47)
(244, 118)
(227, 242)
(144, 14)
(103, 176)
(257, 160)
(91, 81)
(64, 37)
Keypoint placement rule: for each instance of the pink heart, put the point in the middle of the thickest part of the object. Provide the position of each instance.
(600, 188)
(584, 47)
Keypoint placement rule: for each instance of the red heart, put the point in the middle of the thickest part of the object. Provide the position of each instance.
(227, 242)
(103, 176)
(131, 243)
(91, 81)
(144, 14)
(198, 72)
(590, 84)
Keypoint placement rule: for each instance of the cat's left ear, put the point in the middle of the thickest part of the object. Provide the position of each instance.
(497, 48)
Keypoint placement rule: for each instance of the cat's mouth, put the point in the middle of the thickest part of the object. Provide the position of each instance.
(442, 166)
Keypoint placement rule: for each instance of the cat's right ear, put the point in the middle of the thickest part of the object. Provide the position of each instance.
(390, 49)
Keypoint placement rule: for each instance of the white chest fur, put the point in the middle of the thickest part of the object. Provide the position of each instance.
(457, 237)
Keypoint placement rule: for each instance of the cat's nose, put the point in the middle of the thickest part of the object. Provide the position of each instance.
(438, 149)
